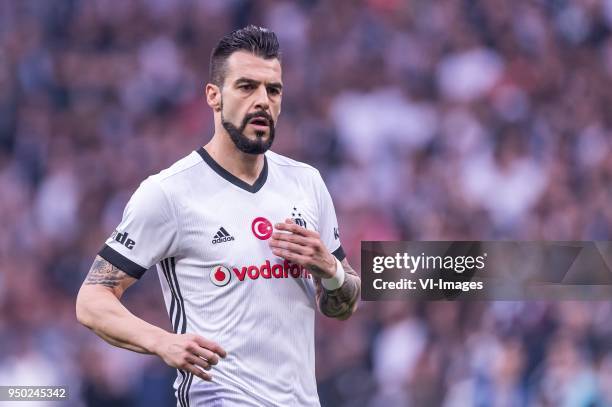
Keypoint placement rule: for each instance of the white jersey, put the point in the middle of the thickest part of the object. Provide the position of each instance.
(207, 231)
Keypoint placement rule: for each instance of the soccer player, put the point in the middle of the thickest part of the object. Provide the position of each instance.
(246, 245)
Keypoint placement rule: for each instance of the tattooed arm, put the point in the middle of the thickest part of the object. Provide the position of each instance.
(98, 308)
(341, 302)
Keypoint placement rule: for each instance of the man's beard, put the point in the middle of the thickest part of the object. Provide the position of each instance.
(242, 142)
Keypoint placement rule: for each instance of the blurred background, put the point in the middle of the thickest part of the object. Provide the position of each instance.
(429, 120)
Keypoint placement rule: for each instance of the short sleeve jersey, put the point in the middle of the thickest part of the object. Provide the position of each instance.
(207, 232)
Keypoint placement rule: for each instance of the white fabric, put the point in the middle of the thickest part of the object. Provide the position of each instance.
(337, 280)
(266, 324)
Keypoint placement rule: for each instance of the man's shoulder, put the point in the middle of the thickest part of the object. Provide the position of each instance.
(289, 164)
(180, 168)
(297, 171)
(174, 180)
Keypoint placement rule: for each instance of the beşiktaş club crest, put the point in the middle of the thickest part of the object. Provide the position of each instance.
(297, 218)
(220, 276)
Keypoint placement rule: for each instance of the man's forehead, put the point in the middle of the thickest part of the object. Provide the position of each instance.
(243, 64)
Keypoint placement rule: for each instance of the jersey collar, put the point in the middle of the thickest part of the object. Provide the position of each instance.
(228, 176)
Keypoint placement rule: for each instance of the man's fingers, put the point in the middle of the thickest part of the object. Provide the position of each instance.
(293, 228)
(292, 247)
(196, 371)
(290, 226)
(211, 357)
(293, 238)
(287, 227)
(210, 345)
(195, 360)
(288, 255)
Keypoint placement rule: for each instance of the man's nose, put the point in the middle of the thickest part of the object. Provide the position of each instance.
(261, 99)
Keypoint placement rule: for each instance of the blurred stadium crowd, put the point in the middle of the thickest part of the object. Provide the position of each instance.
(432, 120)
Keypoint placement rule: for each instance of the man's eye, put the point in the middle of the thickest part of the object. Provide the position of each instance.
(274, 91)
(246, 87)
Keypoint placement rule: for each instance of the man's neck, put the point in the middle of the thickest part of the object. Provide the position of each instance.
(246, 167)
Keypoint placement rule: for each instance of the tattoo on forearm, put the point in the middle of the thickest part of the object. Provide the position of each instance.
(342, 302)
(104, 273)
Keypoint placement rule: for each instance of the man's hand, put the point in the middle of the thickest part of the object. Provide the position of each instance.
(303, 246)
(99, 308)
(190, 353)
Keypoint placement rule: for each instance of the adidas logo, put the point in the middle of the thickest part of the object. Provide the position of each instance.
(222, 236)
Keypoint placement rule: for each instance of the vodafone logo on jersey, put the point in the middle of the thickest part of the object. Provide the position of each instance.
(220, 276)
(269, 270)
(262, 228)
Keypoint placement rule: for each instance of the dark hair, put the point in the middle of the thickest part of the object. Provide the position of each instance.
(257, 40)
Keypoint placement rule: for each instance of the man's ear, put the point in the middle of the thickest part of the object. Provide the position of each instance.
(213, 96)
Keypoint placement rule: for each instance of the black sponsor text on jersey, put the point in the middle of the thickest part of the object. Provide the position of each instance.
(123, 239)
